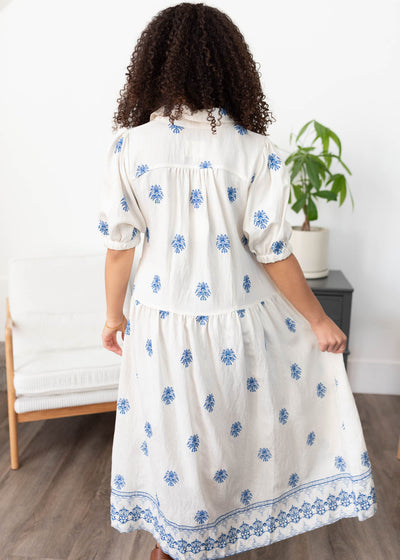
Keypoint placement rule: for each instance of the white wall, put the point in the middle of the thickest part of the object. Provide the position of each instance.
(63, 64)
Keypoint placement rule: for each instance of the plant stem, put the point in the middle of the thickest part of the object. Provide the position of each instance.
(306, 224)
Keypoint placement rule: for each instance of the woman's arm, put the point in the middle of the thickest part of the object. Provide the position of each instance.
(118, 266)
(288, 276)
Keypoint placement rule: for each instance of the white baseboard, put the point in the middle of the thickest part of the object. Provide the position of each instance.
(374, 376)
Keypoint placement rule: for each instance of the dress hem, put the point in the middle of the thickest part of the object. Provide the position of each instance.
(297, 511)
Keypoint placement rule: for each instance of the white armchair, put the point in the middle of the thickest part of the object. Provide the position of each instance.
(56, 364)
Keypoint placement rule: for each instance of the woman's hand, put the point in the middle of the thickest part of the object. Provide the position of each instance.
(109, 335)
(330, 337)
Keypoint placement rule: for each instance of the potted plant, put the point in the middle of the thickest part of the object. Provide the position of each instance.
(311, 180)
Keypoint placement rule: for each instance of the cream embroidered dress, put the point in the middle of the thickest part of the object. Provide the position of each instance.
(233, 429)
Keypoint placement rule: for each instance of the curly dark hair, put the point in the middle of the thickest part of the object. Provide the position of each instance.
(194, 55)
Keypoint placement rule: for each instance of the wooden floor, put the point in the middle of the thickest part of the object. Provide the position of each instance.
(56, 505)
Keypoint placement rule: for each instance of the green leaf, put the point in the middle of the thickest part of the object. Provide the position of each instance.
(343, 191)
(345, 166)
(329, 195)
(303, 129)
(298, 191)
(299, 204)
(295, 169)
(309, 149)
(336, 140)
(338, 181)
(323, 133)
(311, 210)
(312, 172)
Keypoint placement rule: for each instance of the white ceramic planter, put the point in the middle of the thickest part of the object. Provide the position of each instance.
(311, 250)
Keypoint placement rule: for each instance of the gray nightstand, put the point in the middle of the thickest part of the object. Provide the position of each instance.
(334, 294)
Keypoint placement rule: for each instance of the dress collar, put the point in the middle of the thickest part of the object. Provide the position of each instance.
(198, 116)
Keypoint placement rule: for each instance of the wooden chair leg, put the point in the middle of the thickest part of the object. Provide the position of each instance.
(12, 415)
(13, 431)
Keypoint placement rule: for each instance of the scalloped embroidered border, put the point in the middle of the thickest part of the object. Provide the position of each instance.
(361, 503)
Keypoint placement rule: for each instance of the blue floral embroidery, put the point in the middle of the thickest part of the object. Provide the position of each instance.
(310, 438)
(223, 243)
(274, 161)
(196, 198)
(201, 516)
(264, 454)
(240, 535)
(223, 111)
(141, 169)
(124, 204)
(123, 405)
(149, 347)
(240, 129)
(203, 290)
(295, 371)
(209, 402)
(246, 497)
(260, 219)
(228, 356)
(128, 327)
(156, 193)
(277, 247)
(176, 129)
(244, 240)
(202, 319)
(283, 416)
(178, 243)
(193, 442)
(340, 463)
(321, 390)
(220, 475)
(241, 312)
(147, 234)
(144, 448)
(103, 227)
(148, 430)
(205, 164)
(137, 301)
(252, 384)
(168, 395)
(118, 145)
(293, 480)
(365, 459)
(119, 481)
(171, 478)
(246, 283)
(135, 231)
(231, 194)
(291, 324)
(163, 313)
(343, 427)
(156, 284)
(186, 357)
(236, 428)
(252, 179)
(336, 382)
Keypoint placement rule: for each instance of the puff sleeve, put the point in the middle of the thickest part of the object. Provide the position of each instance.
(264, 224)
(120, 219)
